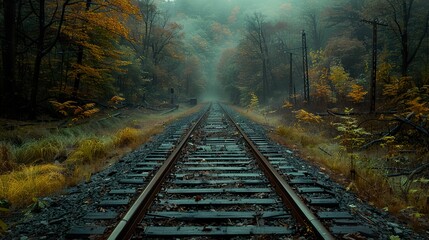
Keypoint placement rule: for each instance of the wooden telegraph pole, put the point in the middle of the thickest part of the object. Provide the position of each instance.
(305, 68)
(373, 94)
(290, 78)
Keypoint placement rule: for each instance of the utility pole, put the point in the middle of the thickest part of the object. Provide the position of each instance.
(294, 94)
(373, 93)
(290, 78)
(305, 68)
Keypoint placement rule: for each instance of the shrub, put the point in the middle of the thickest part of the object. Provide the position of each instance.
(20, 187)
(45, 151)
(127, 137)
(89, 151)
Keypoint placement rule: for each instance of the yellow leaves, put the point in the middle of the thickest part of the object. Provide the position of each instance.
(396, 87)
(117, 99)
(220, 31)
(304, 116)
(287, 105)
(340, 78)
(254, 101)
(394, 237)
(418, 106)
(357, 94)
(85, 111)
(351, 136)
(70, 108)
(417, 215)
(97, 30)
(322, 91)
(64, 107)
(88, 71)
(317, 57)
(384, 72)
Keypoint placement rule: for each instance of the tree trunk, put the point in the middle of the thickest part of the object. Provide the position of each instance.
(35, 86)
(79, 60)
(404, 38)
(38, 60)
(7, 84)
(78, 75)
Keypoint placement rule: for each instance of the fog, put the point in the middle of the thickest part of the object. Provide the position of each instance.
(199, 16)
(244, 46)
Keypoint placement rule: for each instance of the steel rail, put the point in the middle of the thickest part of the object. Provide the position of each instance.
(125, 228)
(290, 198)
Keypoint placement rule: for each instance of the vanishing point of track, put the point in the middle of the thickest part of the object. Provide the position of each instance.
(209, 171)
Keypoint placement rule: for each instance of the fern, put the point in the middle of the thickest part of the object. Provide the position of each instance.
(351, 136)
(304, 116)
(254, 101)
(70, 108)
(357, 94)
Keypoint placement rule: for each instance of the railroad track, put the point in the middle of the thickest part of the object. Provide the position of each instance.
(201, 179)
(225, 179)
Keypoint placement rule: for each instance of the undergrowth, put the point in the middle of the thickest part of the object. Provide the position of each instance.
(47, 161)
(360, 171)
(21, 186)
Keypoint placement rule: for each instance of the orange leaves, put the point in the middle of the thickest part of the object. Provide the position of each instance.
(397, 86)
(234, 12)
(117, 99)
(304, 116)
(357, 94)
(85, 111)
(200, 43)
(418, 106)
(70, 108)
(220, 31)
(287, 105)
(340, 78)
(323, 91)
(64, 107)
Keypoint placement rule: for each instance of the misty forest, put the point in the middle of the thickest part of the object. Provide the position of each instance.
(344, 83)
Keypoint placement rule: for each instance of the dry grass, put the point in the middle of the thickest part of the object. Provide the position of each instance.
(62, 157)
(370, 184)
(20, 187)
(38, 152)
(89, 151)
(127, 137)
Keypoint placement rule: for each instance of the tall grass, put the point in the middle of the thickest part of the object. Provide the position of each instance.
(319, 146)
(89, 151)
(38, 161)
(127, 137)
(38, 152)
(20, 187)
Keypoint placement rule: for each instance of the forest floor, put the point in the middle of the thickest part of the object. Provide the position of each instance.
(34, 154)
(406, 198)
(43, 157)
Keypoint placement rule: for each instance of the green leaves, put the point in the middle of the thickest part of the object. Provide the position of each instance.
(351, 135)
(37, 206)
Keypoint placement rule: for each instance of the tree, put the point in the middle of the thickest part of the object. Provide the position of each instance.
(93, 31)
(408, 21)
(9, 45)
(312, 12)
(43, 44)
(158, 34)
(256, 34)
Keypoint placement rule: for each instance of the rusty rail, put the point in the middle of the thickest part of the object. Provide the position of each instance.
(290, 198)
(126, 226)
(135, 214)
